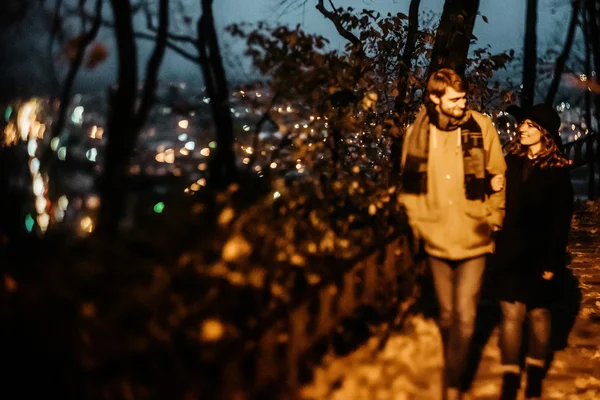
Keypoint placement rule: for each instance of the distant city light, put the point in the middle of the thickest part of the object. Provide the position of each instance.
(62, 153)
(63, 202)
(77, 116)
(86, 224)
(91, 154)
(31, 148)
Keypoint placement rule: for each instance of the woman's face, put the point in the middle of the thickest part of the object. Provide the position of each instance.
(529, 135)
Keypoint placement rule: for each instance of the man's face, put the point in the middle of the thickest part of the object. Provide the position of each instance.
(452, 103)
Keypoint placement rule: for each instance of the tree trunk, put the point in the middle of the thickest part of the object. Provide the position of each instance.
(454, 34)
(125, 122)
(407, 54)
(594, 31)
(590, 159)
(222, 168)
(530, 56)
(120, 125)
(593, 19)
(153, 67)
(564, 56)
(65, 97)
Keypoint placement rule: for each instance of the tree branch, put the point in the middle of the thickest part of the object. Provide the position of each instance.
(152, 37)
(562, 59)
(258, 127)
(334, 17)
(411, 35)
(56, 30)
(530, 57)
(407, 54)
(171, 46)
(153, 65)
(65, 97)
(171, 36)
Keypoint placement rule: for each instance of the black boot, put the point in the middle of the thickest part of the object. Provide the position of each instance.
(510, 386)
(535, 376)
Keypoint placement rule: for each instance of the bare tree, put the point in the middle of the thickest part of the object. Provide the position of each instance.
(454, 35)
(84, 40)
(408, 53)
(222, 167)
(530, 55)
(593, 18)
(593, 21)
(564, 55)
(334, 17)
(125, 120)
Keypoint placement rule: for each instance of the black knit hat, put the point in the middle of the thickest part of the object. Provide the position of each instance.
(542, 114)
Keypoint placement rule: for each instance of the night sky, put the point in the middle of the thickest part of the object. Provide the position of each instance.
(21, 58)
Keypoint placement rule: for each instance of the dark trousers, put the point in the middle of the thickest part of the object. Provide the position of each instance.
(457, 285)
(511, 334)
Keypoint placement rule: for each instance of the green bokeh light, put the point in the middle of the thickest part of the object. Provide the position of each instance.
(8, 113)
(159, 207)
(29, 222)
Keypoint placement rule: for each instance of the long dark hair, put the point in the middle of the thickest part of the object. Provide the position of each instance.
(549, 156)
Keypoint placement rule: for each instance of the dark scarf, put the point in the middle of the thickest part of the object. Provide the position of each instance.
(414, 174)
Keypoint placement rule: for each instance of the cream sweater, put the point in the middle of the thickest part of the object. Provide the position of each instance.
(453, 227)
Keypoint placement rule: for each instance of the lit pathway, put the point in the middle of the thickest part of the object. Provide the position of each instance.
(409, 366)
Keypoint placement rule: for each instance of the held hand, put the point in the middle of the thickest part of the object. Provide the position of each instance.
(497, 183)
(547, 275)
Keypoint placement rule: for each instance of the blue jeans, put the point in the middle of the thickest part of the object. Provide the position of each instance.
(457, 285)
(511, 334)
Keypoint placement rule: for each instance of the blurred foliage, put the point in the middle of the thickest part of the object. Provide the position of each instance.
(148, 315)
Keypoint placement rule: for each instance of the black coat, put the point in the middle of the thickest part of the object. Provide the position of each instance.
(535, 233)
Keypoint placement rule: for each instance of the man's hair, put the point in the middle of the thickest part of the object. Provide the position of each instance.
(441, 79)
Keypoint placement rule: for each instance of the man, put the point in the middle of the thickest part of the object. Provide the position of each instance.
(448, 157)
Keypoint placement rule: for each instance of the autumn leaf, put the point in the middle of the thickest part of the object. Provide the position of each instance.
(98, 53)
(297, 260)
(88, 310)
(10, 284)
(236, 248)
(372, 209)
(211, 330)
(226, 216)
(72, 47)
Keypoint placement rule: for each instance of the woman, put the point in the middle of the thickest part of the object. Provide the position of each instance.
(531, 247)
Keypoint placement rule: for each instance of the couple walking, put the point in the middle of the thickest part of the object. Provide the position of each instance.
(460, 194)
